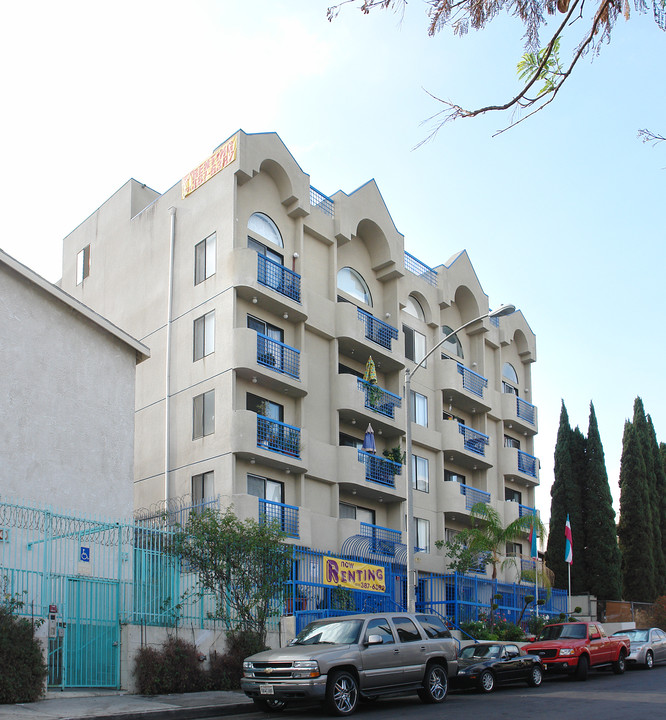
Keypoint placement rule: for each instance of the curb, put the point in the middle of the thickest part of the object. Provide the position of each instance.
(182, 713)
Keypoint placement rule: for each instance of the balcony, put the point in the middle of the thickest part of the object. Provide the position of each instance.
(360, 334)
(519, 466)
(285, 515)
(464, 446)
(524, 510)
(473, 496)
(278, 436)
(383, 540)
(379, 400)
(267, 442)
(420, 269)
(369, 476)
(462, 387)
(356, 400)
(274, 364)
(519, 414)
(279, 278)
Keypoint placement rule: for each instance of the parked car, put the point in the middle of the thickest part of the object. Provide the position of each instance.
(575, 647)
(487, 664)
(648, 646)
(339, 661)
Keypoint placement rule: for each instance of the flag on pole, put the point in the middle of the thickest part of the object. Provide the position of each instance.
(534, 553)
(568, 547)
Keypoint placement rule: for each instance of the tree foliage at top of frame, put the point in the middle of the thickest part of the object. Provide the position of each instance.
(243, 562)
(541, 70)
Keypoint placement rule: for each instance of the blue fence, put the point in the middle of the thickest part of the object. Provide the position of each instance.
(277, 356)
(525, 411)
(285, 515)
(474, 441)
(278, 436)
(321, 202)
(473, 496)
(379, 400)
(416, 267)
(527, 464)
(376, 330)
(378, 469)
(279, 278)
(473, 382)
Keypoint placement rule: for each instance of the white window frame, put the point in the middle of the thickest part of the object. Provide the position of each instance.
(202, 487)
(415, 344)
(205, 253)
(418, 408)
(420, 473)
(422, 534)
(203, 415)
(204, 335)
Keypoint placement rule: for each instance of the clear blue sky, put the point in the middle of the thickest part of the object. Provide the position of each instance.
(562, 216)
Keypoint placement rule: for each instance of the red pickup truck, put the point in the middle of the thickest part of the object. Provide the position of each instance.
(576, 647)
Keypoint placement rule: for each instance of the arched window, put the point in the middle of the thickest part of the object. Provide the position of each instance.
(509, 372)
(350, 282)
(262, 225)
(413, 308)
(452, 345)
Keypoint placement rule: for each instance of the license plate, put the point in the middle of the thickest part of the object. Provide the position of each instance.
(266, 690)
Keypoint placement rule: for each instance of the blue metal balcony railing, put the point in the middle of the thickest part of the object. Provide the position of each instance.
(286, 516)
(525, 510)
(376, 330)
(379, 400)
(278, 436)
(473, 496)
(378, 469)
(525, 411)
(321, 201)
(527, 564)
(279, 278)
(277, 356)
(475, 441)
(473, 382)
(383, 540)
(416, 267)
(527, 464)
(494, 321)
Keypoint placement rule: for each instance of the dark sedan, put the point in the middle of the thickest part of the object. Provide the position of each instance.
(485, 665)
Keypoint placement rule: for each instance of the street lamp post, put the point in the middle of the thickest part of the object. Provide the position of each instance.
(411, 579)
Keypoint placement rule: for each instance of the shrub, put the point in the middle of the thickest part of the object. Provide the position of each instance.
(227, 669)
(175, 668)
(659, 612)
(23, 669)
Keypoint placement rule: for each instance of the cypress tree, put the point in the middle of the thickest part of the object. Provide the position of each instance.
(562, 493)
(602, 554)
(658, 504)
(576, 510)
(633, 531)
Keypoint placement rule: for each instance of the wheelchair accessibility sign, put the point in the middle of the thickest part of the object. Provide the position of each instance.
(84, 561)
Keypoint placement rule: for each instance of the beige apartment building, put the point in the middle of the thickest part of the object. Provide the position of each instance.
(262, 301)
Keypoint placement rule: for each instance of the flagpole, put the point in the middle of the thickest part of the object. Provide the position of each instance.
(569, 592)
(536, 583)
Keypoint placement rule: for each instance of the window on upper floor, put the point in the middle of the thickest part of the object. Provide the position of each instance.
(260, 224)
(205, 254)
(510, 375)
(202, 488)
(203, 422)
(452, 345)
(511, 495)
(269, 347)
(346, 370)
(415, 344)
(514, 549)
(511, 442)
(450, 476)
(265, 488)
(356, 512)
(420, 473)
(204, 335)
(82, 264)
(422, 534)
(262, 406)
(351, 282)
(350, 441)
(413, 308)
(418, 409)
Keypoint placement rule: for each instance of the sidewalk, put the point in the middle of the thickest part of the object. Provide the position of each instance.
(118, 705)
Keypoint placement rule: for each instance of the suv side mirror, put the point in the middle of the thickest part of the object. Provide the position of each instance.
(374, 640)
(595, 636)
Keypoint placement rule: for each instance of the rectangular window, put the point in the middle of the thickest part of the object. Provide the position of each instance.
(422, 534)
(82, 264)
(415, 344)
(354, 512)
(202, 488)
(264, 407)
(420, 473)
(511, 495)
(511, 442)
(350, 441)
(418, 408)
(265, 488)
(204, 259)
(514, 549)
(203, 415)
(204, 335)
(450, 476)
(509, 389)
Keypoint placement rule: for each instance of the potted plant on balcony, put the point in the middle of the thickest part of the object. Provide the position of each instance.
(396, 455)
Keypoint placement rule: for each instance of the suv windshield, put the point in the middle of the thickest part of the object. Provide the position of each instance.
(634, 635)
(338, 632)
(555, 632)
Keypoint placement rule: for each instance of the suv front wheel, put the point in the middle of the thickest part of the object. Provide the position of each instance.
(342, 693)
(435, 684)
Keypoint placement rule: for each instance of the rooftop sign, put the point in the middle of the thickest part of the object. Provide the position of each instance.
(222, 157)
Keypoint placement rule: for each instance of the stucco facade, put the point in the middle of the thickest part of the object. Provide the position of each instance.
(261, 300)
(67, 408)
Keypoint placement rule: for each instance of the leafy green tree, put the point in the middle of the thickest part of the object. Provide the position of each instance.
(565, 500)
(601, 551)
(633, 531)
(541, 70)
(244, 563)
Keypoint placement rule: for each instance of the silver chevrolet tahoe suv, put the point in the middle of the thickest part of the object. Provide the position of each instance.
(339, 661)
